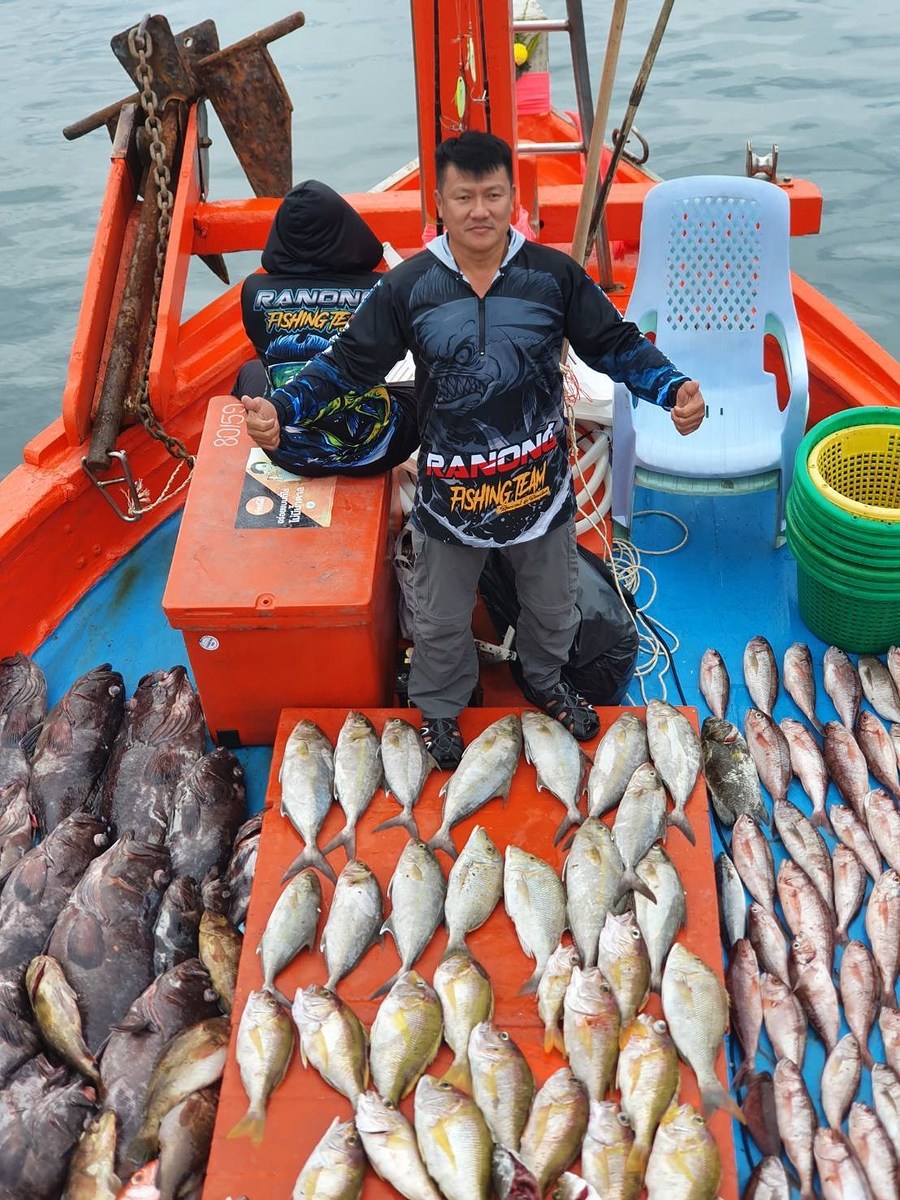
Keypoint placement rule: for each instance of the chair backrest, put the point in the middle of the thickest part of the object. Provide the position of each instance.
(714, 264)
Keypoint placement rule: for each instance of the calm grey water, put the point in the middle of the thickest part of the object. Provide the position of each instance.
(817, 76)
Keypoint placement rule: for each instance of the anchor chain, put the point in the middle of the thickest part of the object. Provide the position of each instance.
(141, 46)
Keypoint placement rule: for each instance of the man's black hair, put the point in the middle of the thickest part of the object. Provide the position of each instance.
(473, 153)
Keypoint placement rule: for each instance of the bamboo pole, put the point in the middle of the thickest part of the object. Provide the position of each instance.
(637, 93)
(580, 245)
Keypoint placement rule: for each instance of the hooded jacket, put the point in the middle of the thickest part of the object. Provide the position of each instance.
(319, 262)
(493, 462)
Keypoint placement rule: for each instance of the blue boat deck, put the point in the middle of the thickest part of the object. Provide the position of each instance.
(726, 584)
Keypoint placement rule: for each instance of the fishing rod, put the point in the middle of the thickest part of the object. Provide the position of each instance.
(637, 93)
(580, 243)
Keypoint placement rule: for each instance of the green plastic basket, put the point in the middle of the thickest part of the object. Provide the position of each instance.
(834, 517)
(848, 566)
(852, 621)
(866, 562)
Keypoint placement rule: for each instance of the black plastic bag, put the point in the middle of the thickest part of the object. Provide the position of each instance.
(604, 652)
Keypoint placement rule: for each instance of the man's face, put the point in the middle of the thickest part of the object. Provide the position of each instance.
(476, 212)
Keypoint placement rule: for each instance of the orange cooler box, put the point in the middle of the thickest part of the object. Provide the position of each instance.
(282, 587)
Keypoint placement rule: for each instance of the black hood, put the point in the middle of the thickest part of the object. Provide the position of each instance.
(315, 229)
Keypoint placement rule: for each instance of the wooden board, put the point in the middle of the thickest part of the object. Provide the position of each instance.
(303, 1107)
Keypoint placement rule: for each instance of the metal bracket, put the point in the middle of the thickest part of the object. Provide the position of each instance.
(634, 132)
(135, 510)
(492, 653)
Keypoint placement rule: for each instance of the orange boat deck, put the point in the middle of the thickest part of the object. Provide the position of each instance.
(303, 1107)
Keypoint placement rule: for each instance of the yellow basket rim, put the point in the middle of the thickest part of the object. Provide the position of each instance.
(872, 512)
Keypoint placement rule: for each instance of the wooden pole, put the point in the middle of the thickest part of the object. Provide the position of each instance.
(580, 246)
(637, 93)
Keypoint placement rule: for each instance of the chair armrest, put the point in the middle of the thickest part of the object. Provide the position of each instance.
(790, 339)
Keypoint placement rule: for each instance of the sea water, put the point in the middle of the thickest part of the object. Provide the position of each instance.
(818, 77)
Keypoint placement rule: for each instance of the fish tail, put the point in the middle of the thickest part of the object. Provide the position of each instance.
(459, 1075)
(404, 820)
(867, 1057)
(387, 985)
(819, 820)
(816, 723)
(631, 882)
(841, 935)
(553, 1040)
(714, 1095)
(530, 986)
(744, 1071)
(656, 980)
(312, 856)
(678, 818)
(569, 821)
(346, 838)
(142, 1146)
(251, 1126)
(638, 1156)
(279, 995)
(443, 841)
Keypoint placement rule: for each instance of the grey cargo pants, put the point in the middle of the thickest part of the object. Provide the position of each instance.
(444, 667)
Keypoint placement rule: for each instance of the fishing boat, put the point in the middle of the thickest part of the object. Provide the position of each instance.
(93, 519)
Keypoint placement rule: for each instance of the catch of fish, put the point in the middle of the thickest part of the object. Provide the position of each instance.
(814, 941)
(118, 969)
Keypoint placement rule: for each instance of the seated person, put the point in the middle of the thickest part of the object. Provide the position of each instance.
(320, 260)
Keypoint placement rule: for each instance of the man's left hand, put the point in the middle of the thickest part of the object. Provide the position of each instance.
(690, 408)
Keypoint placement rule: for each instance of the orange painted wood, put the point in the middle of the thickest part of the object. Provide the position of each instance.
(174, 281)
(302, 1108)
(99, 286)
(226, 227)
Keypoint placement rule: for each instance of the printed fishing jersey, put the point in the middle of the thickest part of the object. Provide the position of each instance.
(318, 261)
(493, 462)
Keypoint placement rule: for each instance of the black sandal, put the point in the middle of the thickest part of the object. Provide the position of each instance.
(443, 741)
(570, 708)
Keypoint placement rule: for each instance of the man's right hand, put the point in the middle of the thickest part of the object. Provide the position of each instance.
(262, 421)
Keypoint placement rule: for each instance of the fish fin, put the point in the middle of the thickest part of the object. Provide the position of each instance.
(404, 820)
(387, 985)
(569, 821)
(312, 856)
(251, 1126)
(631, 882)
(714, 1095)
(442, 841)
(346, 838)
(553, 1040)
(530, 986)
(678, 818)
(819, 820)
(459, 1075)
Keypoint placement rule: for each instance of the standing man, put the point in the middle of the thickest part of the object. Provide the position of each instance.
(485, 313)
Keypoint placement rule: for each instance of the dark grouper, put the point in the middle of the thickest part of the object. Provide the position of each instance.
(23, 705)
(104, 936)
(173, 1001)
(207, 811)
(162, 735)
(74, 745)
(40, 884)
(42, 1113)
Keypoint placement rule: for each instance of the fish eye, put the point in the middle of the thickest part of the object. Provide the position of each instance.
(390, 1104)
(623, 1120)
(504, 1036)
(446, 1087)
(660, 1026)
(635, 933)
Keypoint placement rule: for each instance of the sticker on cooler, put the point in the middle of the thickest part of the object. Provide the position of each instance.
(274, 499)
(208, 642)
(231, 419)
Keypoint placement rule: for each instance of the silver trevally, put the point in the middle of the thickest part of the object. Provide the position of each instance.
(485, 770)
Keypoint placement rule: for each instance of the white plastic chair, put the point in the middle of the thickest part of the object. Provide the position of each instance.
(713, 279)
